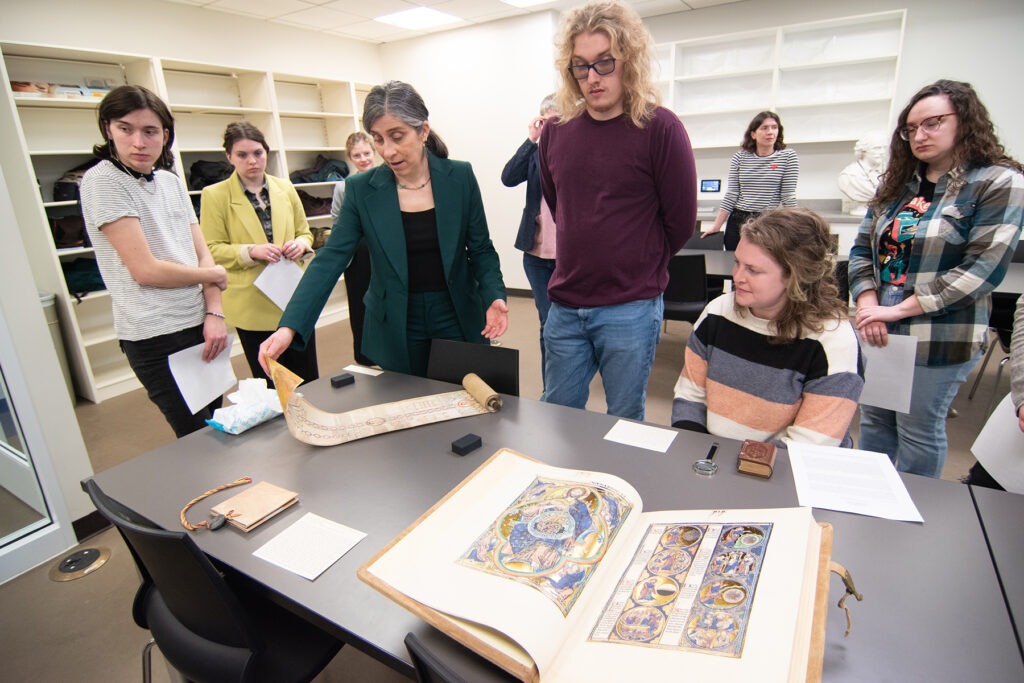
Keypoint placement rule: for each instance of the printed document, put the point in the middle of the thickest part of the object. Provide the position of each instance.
(849, 480)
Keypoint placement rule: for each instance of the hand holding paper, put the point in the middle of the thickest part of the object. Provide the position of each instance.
(199, 381)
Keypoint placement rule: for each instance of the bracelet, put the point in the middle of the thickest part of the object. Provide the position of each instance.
(215, 315)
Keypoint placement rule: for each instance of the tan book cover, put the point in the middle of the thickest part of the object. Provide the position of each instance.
(255, 505)
(559, 575)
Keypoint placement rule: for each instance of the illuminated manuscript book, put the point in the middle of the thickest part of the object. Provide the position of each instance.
(558, 575)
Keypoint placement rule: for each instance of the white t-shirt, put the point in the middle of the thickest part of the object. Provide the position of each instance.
(166, 216)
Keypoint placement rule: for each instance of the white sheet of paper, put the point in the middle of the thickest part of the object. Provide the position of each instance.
(641, 436)
(889, 373)
(278, 281)
(198, 381)
(1000, 447)
(362, 369)
(848, 480)
(310, 545)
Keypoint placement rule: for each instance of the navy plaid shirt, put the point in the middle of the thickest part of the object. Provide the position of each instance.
(961, 252)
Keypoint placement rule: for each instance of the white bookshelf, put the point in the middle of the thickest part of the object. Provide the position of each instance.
(830, 81)
(300, 117)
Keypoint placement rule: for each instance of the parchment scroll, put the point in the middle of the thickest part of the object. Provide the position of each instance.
(317, 427)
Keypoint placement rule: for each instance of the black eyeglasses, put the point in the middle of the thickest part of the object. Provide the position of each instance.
(929, 125)
(603, 67)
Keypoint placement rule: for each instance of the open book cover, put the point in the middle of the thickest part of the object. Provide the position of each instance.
(558, 574)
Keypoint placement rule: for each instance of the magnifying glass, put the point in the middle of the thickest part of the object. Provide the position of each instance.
(707, 466)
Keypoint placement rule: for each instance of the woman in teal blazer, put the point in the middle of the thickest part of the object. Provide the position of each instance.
(249, 221)
(434, 271)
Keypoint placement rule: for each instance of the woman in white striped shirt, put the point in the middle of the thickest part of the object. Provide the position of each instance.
(762, 176)
(164, 285)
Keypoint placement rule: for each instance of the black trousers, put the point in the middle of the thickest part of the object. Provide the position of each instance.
(732, 227)
(357, 281)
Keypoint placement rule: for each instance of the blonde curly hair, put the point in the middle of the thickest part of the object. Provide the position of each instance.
(631, 46)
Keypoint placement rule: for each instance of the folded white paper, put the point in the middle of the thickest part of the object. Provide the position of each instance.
(278, 281)
(889, 373)
(199, 381)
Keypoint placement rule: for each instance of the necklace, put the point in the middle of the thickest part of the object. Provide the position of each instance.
(418, 187)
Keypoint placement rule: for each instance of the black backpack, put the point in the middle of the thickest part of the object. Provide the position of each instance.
(66, 188)
(323, 170)
(203, 173)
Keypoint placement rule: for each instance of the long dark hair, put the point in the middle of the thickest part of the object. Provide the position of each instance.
(122, 101)
(755, 123)
(976, 141)
(403, 102)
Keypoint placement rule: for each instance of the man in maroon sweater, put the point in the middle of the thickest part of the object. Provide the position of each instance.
(618, 172)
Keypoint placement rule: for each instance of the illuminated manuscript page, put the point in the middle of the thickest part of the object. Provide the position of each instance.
(428, 565)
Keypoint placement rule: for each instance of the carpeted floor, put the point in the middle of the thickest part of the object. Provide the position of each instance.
(82, 630)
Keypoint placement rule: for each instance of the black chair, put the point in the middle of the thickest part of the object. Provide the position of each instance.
(451, 360)
(714, 242)
(208, 629)
(687, 291)
(1000, 321)
(429, 668)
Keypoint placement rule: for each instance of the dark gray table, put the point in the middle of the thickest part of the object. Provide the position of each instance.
(1001, 515)
(933, 608)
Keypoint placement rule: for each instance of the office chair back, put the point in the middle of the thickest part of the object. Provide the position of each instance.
(429, 668)
(451, 360)
(195, 618)
(713, 242)
(687, 290)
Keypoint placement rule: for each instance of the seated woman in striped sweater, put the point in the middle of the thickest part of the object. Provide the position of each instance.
(777, 358)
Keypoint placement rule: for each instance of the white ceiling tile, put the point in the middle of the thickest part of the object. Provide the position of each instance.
(698, 4)
(353, 18)
(265, 9)
(475, 10)
(319, 18)
(650, 8)
(373, 30)
(370, 10)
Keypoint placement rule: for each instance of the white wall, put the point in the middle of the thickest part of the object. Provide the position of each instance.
(483, 85)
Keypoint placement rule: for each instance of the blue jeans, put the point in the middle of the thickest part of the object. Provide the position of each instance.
(148, 360)
(538, 272)
(619, 340)
(915, 441)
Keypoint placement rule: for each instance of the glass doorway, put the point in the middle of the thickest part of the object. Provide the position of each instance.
(23, 507)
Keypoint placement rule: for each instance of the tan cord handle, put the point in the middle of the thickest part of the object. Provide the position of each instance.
(844, 574)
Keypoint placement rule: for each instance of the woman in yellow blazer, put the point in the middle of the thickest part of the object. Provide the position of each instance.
(251, 220)
(434, 272)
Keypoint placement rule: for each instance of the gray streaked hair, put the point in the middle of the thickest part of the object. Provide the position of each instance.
(549, 104)
(403, 102)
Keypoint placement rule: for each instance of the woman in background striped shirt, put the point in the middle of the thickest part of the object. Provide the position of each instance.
(762, 176)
